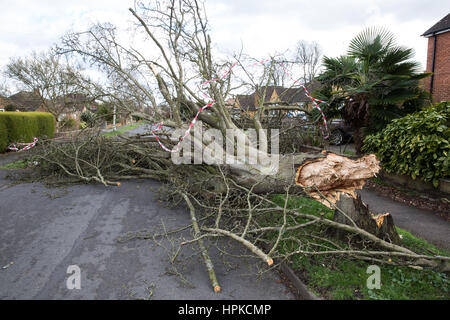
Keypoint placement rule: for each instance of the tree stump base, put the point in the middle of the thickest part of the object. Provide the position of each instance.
(381, 225)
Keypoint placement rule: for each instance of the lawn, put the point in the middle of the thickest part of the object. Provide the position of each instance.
(340, 277)
(123, 129)
(19, 164)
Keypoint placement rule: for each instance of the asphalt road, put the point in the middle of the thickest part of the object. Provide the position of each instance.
(44, 231)
(421, 223)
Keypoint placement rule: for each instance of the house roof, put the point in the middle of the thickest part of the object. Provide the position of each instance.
(74, 101)
(296, 95)
(4, 101)
(270, 90)
(443, 25)
(27, 100)
(286, 95)
(246, 101)
(30, 101)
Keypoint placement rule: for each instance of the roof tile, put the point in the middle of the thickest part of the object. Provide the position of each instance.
(442, 25)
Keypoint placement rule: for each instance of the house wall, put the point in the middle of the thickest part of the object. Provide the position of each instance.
(251, 114)
(441, 82)
(274, 97)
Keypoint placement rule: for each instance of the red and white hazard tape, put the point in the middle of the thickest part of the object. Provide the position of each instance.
(28, 146)
(210, 104)
(314, 100)
(176, 148)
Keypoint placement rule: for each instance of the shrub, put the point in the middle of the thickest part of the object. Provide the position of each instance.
(10, 107)
(89, 118)
(67, 123)
(45, 123)
(3, 134)
(105, 113)
(24, 126)
(416, 145)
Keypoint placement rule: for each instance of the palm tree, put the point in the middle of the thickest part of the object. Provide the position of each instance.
(374, 83)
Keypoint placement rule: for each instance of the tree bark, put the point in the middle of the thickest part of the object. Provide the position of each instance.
(359, 213)
(358, 139)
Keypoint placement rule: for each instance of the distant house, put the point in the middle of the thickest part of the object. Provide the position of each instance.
(438, 60)
(249, 104)
(5, 102)
(71, 105)
(246, 104)
(26, 101)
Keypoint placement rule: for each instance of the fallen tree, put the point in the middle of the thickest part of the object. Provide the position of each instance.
(228, 195)
(222, 207)
(179, 32)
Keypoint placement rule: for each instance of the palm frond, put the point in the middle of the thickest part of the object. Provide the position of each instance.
(370, 43)
(377, 79)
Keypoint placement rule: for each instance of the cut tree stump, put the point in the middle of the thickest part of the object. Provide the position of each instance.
(381, 225)
(333, 179)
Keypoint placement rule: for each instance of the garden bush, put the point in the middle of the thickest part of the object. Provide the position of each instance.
(24, 126)
(416, 145)
(105, 113)
(3, 134)
(83, 125)
(67, 124)
(89, 118)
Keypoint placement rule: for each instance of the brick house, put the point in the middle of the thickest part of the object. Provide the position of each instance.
(438, 60)
(26, 101)
(248, 104)
(72, 104)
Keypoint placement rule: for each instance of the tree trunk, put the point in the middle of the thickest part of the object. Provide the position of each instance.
(275, 183)
(359, 212)
(358, 139)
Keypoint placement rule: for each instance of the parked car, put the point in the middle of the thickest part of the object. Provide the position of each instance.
(340, 132)
(298, 114)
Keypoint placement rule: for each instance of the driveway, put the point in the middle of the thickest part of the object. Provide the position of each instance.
(44, 231)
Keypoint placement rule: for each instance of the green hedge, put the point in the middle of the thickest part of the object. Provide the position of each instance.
(417, 145)
(3, 134)
(24, 126)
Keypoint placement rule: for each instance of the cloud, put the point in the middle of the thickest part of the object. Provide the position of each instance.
(263, 27)
(37, 25)
(266, 27)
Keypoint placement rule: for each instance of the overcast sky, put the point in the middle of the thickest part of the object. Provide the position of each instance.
(264, 27)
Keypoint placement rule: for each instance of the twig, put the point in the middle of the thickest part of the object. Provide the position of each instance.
(246, 243)
(197, 233)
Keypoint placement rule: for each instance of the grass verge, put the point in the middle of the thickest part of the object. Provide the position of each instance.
(349, 153)
(123, 129)
(19, 164)
(341, 277)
